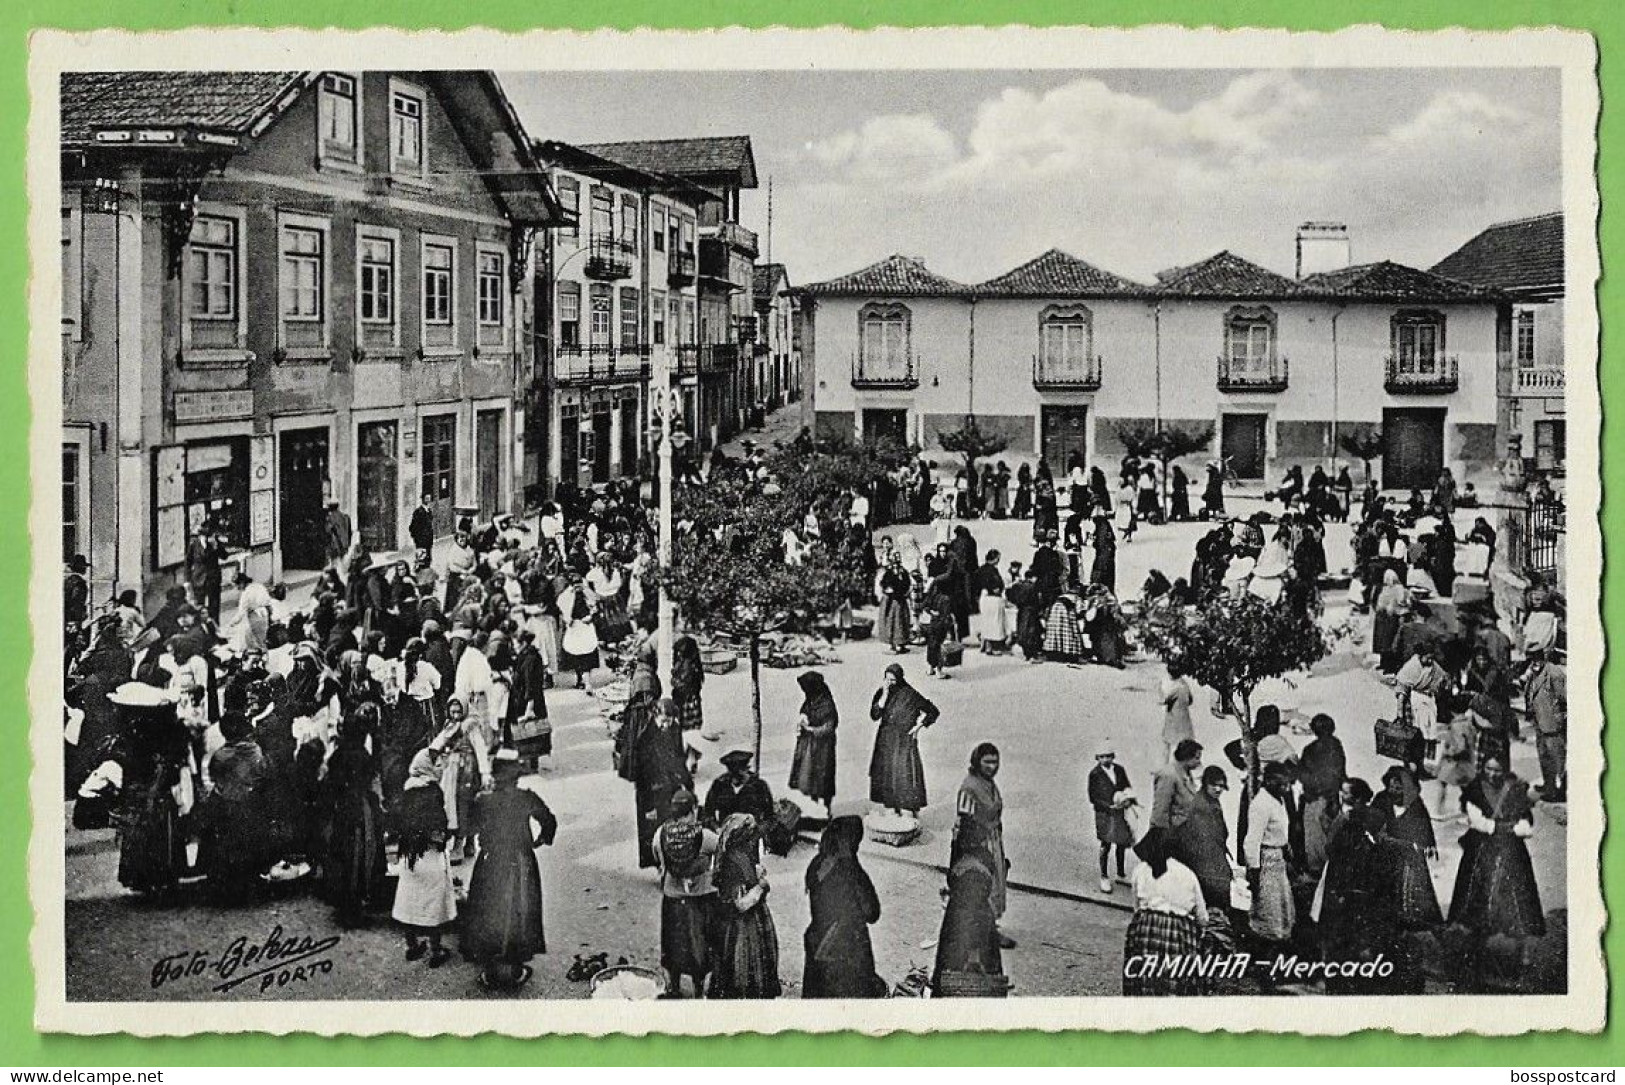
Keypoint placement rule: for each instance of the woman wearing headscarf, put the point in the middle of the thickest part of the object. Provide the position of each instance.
(812, 770)
(1063, 636)
(579, 643)
(1202, 840)
(1104, 569)
(354, 868)
(1179, 488)
(687, 681)
(1022, 506)
(1406, 831)
(745, 953)
(685, 852)
(1393, 600)
(993, 623)
(981, 802)
(1045, 517)
(233, 843)
(1495, 891)
(840, 962)
(425, 901)
(968, 942)
(1357, 910)
(893, 588)
(502, 921)
(652, 758)
(896, 775)
(1268, 831)
(1169, 915)
(1213, 493)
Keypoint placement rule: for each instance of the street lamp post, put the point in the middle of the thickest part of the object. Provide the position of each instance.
(667, 432)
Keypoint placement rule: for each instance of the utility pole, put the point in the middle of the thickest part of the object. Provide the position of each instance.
(663, 397)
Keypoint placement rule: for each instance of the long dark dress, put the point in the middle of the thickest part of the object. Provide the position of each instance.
(745, 963)
(529, 698)
(840, 962)
(1495, 889)
(1360, 906)
(969, 939)
(105, 669)
(1408, 835)
(502, 920)
(896, 775)
(152, 846)
(659, 770)
(233, 838)
(354, 866)
(408, 729)
(1029, 606)
(1104, 569)
(812, 770)
(1202, 843)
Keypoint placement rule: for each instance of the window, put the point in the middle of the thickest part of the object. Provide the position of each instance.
(657, 317)
(1418, 341)
(629, 223)
(690, 323)
(688, 236)
(603, 215)
(406, 130)
(674, 235)
(602, 304)
(72, 305)
(569, 300)
(570, 200)
(674, 318)
(1551, 440)
(439, 458)
(376, 293)
(438, 272)
(1250, 341)
(71, 490)
(490, 287)
(631, 317)
(303, 285)
(1526, 337)
(213, 262)
(657, 230)
(1064, 339)
(884, 337)
(338, 112)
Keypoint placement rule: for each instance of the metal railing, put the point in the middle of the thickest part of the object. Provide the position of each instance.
(872, 373)
(1056, 373)
(1441, 374)
(1247, 375)
(680, 267)
(596, 364)
(609, 257)
(1534, 537)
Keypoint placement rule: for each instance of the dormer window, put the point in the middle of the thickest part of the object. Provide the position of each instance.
(406, 129)
(339, 111)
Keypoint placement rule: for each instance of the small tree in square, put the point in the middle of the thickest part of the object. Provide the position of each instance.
(1231, 644)
(1364, 443)
(971, 442)
(1164, 444)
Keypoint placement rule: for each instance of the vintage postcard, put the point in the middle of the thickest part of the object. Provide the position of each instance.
(918, 530)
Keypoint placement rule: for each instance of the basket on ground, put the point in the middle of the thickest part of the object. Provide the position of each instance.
(628, 982)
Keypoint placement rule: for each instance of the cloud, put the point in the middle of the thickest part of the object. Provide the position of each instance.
(1456, 116)
(890, 148)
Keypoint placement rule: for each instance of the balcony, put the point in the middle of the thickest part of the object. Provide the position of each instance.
(876, 373)
(745, 329)
(1252, 375)
(1075, 375)
(680, 268)
(1413, 377)
(576, 364)
(718, 357)
(1538, 382)
(736, 237)
(609, 258)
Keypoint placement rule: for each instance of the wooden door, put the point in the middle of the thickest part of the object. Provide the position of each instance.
(377, 477)
(1413, 453)
(1064, 430)
(301, 489)
(885, 424)
(1242, 445)
(602, 432)
(488, 462)
(438, 463)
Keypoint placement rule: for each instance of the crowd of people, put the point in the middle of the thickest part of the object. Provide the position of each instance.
(370, 744)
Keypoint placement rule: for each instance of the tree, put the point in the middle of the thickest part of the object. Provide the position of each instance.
(1364, 443)
(1165, 444)
(970, 442)
(728, 572)
(1231, 644)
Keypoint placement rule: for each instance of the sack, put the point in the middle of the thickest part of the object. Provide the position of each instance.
(1398, 739)
(681, 849)
(779, 833)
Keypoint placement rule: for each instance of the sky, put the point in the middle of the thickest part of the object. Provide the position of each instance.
(1135, 171)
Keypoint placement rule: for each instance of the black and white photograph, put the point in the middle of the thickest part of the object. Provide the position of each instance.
(1101, 525)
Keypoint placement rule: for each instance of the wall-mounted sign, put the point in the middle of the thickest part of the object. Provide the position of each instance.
(213, 406)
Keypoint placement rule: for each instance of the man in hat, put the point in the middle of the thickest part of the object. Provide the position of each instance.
(1110, 796)
(203, 571)
(337, 534)
(76, 592)
(738, 791)
(1546, 693)
(421, 527)
(502, 924)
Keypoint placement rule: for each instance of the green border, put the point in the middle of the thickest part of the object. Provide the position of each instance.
(20, 1045)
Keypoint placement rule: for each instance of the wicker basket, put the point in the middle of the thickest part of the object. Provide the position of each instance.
(972, 985)
(861, 629)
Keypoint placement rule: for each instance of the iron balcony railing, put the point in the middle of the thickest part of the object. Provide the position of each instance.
(1417, 378)
(1253, 375)
(575, 363)
(688, 359)
(717, 357)
(609, 258)
(875, 373)
(680, 268)
(1081, 374)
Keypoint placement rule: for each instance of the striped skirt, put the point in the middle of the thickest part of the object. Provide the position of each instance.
(1155, 937)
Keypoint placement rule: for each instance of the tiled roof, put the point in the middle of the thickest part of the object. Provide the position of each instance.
(1388, 281)
(1521, 257)
(701, 157)
(1225, 275)
(1059, 275)
(895, 276)
(765, 279)
(229, 101)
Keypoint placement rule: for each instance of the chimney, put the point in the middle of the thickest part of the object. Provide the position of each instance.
(1322, 246)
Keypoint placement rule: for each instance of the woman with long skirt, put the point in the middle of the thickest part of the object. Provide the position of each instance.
(895, 586)
(981, 802)
(840, 962)
(968, 942)
(354, 868)
(686, 851)
(992, 621)
(234, 845)
(502, 921)
(745, 960)
(687, 683)
(896, 774)
(1406, 829)
(425, 901)
(1169, 915)
(1495, 891)
(1392, 602)
(812, 769)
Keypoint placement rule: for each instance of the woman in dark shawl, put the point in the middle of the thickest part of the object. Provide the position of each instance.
(1360, 898)
(896, 775)
(154, 750)
(968, 943)
(1100, 494)
(745, 961)
(687, 680)
(1213, 494)
(354, 798)
(649, 749)
(1495, 890)
(1028, 601)
(894, 588)
(812, 770)
(1180, 491)
(1022, 506)
(980, 801)
(1406, 831)
(233, 842)
(1045, 516)
(1104, 569)
(425, 900)
(102, 670)
(502, 920)
(1202, 840)
(840, 960)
